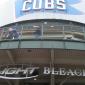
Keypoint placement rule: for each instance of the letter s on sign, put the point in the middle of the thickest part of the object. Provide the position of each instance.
(61, 4)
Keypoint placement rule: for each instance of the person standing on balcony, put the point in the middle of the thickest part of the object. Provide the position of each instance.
(12, 33)
(37, 32)
(1, 31)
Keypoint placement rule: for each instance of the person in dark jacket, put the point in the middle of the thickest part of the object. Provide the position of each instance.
(38, 33)
(12, 34)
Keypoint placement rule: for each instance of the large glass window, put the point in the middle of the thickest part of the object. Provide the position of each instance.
(52, 30)
(31, 30)
(44, 29)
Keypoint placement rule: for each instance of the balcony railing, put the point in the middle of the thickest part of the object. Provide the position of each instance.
(39, 30)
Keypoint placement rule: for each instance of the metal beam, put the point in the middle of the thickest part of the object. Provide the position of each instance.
(51, 66)
(9, 83)
(11, 57)
(16, 82)
(43, 43)
(64, 81)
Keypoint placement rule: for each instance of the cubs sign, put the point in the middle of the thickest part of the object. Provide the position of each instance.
(47, 4)
(21, 10)
(57, 6)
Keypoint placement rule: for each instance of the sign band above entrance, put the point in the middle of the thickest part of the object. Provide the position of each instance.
(26, 72)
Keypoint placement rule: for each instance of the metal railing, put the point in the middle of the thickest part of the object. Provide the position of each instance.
(43, 31)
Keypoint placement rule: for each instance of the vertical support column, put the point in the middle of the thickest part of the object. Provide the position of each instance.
(63, 32)
(16, 82)
(8, 82)
(52, 66)
(84, 32)
(42, 31)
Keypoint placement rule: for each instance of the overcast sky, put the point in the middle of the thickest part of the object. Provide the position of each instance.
(2, 2)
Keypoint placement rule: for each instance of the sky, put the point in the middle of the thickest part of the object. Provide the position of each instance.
(3, 1)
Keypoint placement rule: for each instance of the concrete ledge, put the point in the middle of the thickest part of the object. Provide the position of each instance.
(42, 43)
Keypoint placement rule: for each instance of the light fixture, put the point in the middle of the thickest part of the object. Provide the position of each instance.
(29, 50)
(52, 26)
(35, 79)
(45, 22)
(35, 26)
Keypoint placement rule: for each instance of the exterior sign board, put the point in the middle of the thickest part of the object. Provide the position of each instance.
(21, 10)
(52, 6)
(32, 72)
